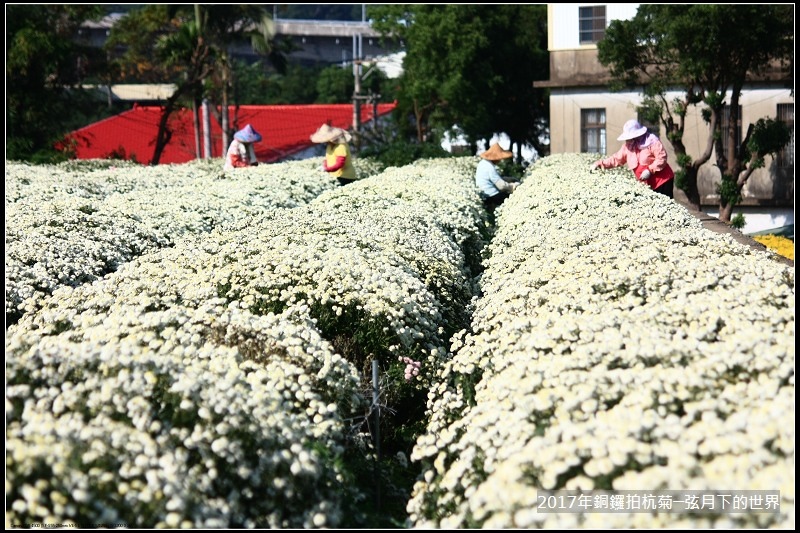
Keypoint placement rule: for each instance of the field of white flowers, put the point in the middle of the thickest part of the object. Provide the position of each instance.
(191, 349)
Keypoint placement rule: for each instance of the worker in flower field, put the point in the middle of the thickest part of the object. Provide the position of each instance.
(645, 155)
(241, 152)
(338, 161)
(494, 188)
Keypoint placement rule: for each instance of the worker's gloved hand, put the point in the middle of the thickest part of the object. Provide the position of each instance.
(594, 166)
(645, 175)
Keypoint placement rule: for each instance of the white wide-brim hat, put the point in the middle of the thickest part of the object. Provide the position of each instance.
(631, 130)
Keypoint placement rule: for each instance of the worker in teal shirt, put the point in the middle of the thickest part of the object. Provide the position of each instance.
(494, 189)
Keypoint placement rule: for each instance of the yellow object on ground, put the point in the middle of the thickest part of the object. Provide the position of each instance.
(780, 245)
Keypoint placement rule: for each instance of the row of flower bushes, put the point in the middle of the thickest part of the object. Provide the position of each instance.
(75, 222)
(617, 345)
(217, 379)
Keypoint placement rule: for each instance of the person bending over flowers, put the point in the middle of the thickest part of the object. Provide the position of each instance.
(338, 161)
(241, 152)
(645, 155)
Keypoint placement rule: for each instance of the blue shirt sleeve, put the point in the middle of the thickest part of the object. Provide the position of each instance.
(486, 177)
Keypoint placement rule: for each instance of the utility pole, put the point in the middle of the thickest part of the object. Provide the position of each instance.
(207, 130)
(357, 91)
(357, 97)
(198, 17)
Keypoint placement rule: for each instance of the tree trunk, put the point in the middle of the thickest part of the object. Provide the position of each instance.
(164, 134)
(674, 131)
(225, 123)
(418, 119)
(691, 189)
(740, 168)
(207, 148)
(725, 212)
(196, 118)
(225, 119)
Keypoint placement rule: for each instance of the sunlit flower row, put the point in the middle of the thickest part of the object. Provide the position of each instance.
(617, 345)
(161, 420)
(212, 383)
(75, 222)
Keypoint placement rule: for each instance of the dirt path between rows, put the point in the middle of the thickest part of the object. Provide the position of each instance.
(712, 223)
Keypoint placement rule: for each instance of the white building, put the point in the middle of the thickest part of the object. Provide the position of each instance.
(586, 117)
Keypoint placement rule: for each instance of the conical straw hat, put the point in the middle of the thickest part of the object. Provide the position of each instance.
(495, 153)
(327, 133)
(247, 135)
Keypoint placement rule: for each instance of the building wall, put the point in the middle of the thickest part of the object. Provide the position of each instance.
(565, 18)
(334, 41)
(578, 81)
(766, 186)
(315, 41)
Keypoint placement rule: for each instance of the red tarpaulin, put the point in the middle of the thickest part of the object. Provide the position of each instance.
(284, 129)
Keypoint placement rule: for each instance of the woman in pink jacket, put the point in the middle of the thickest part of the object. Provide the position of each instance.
(645, 155)
(241, 152)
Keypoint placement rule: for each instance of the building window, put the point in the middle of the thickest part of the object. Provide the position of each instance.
(785, 157)
(725, 129)
(592, 22)
(593, 131)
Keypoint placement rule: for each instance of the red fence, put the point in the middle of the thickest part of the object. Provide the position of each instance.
(285, 130)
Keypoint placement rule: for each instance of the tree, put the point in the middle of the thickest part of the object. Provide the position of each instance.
(154, 45)
(226, 25)
(186, 50)
(132, 43)
(471, 66)
(45, 67)
(253, 86)
(335, 85)
(188, 45)
(707, 52)
(150, 45)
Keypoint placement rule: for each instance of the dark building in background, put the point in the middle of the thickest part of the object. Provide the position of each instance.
(314, 42)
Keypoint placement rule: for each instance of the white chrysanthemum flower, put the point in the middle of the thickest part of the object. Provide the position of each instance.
(639, 373)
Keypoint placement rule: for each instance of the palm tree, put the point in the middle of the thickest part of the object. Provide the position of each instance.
(186, 50)
(223, 26)
(190, 45)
